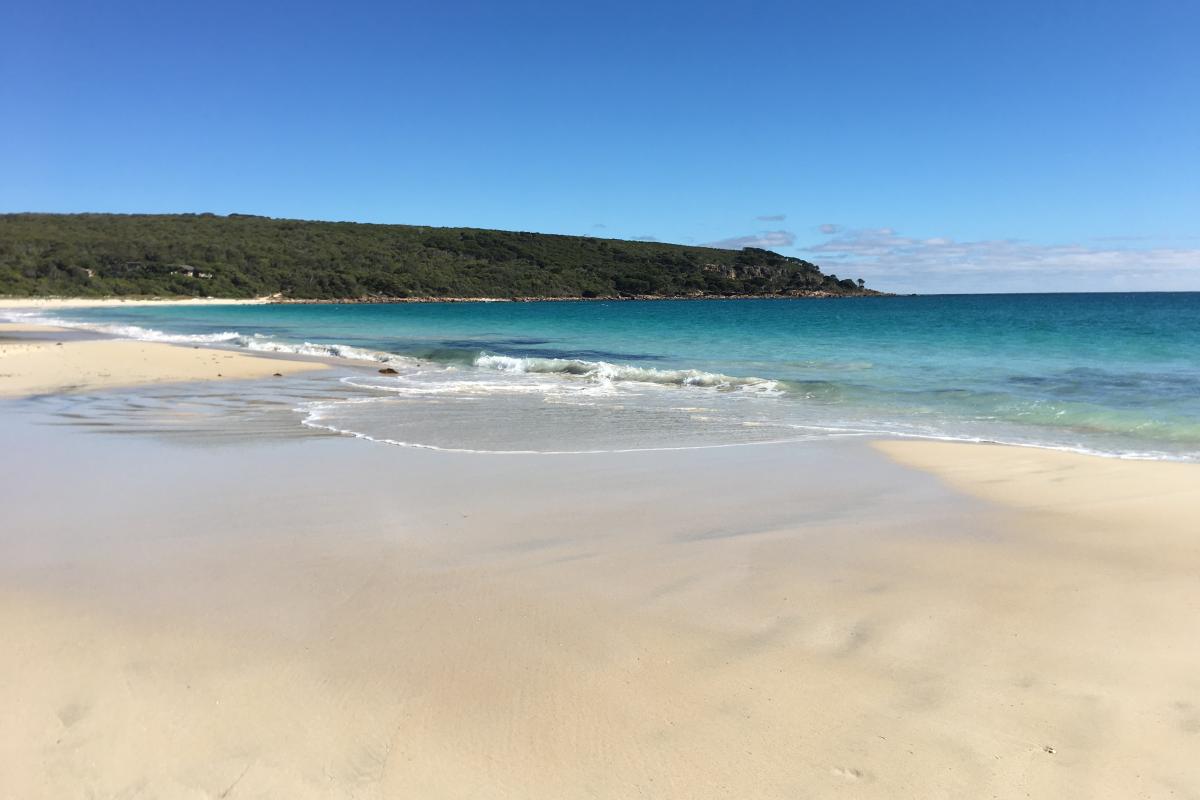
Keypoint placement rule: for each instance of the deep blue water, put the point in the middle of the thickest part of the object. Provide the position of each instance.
(1112, 373)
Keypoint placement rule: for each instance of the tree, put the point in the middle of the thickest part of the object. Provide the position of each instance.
(46, 254)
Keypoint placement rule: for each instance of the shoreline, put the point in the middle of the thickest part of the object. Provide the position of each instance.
(36, 360)
(814, 295)
(100, 302)
(191, 369)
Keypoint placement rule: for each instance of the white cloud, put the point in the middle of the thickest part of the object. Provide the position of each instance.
(893, 262)
(772, 218)
(768, 240)
(645, 238)
(829, 229)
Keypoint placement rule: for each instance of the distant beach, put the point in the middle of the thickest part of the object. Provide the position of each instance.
(117, 302)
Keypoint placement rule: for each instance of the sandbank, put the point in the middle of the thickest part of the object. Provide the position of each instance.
(41, 365)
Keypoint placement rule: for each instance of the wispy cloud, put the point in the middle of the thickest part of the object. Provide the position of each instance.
(772, 218)
(1160, 238)
(829, 229)
(891, 261)
(599, 225)
(645, 238)
(767, 240)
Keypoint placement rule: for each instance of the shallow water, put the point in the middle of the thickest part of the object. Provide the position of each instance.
(1117, 374)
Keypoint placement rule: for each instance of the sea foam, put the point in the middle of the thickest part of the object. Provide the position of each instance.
(604, 372)
(1012, 369)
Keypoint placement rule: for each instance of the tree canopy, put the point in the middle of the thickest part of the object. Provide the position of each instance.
(205, 255)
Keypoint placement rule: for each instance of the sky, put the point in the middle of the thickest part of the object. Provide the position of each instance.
(924, 146)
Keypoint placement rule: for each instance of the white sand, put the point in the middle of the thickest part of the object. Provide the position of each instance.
(41, 366)
(329, 618)
(97, 302)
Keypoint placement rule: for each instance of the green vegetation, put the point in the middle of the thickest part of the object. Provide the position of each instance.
(204, 255)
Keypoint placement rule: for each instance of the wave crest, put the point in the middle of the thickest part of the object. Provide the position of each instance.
(257, 342)
(267, 345)
(604, 372)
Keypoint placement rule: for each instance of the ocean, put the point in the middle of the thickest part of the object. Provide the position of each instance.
(1112, 374)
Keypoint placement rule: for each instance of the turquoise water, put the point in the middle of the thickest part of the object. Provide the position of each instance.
(1110, 373)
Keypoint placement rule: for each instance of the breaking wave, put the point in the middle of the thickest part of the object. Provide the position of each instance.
(598, 372)
(256, 342)
(604, 372)
(264, 344)
(129, 331)
(1139, 409)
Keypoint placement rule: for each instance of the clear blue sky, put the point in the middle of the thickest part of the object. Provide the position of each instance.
(954, 145)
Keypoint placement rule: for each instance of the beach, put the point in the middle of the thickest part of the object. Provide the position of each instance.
(131, 302)
(38, 359)
(297, 613)
(600, 401)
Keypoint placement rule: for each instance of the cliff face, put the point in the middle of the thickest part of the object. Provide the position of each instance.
(242, 256)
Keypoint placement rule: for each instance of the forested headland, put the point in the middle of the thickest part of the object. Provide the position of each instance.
(206, 255)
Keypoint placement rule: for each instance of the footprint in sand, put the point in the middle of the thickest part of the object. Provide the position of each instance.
(1189, 717)
(849, 774)
(71, 713)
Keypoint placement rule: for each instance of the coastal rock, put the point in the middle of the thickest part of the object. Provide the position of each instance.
(388, 371)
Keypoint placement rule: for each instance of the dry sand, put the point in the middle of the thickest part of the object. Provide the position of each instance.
(329, 618)
(96, 302)
(37, 364)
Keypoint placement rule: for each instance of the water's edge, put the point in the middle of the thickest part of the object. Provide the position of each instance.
(559, 382)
